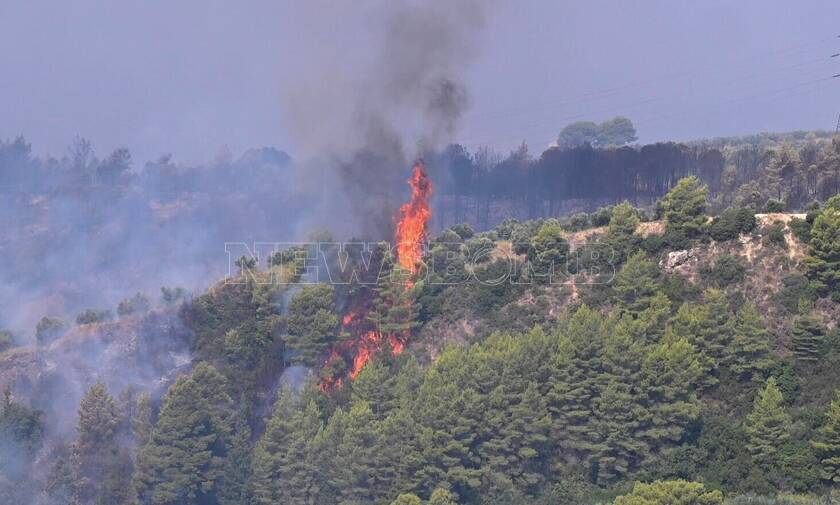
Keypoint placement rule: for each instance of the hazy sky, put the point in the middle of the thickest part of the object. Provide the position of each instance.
(186, 77)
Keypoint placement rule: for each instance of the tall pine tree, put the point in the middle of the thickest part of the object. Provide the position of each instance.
(748, 352)
(284, 467)
(184, 462)
(827, 443)
(768, 426)
(101, 469)
(807, 337)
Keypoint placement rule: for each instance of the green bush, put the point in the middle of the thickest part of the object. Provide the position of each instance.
(670, 492)
(795, 288)
(601, 217)
(801, 229)
(750, 499)
(787, 379)
(731, 223)
(579, 221)
(91, 316)
(522, 235)
(774, 234)
(463, 230)
(505, 229)
(135, 304)
(7, 340)
(170, 296)
(49, 329)
(725, 271)
(774, 205)
(479, 249)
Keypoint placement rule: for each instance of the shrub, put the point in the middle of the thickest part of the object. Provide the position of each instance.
(775, 234)
(133, 305)
(522, 235)
(463, 230)
(670, 492)
(49, 329)
(479, 249)
(801, 229)
(579, 221)
(787, 379)
(172, 295)
(601, 217)
(773, 500)
(549, 251)
(505, 228)
(488, 294)
(448, 238)
(676, 239)
(774, 205)
(726, 270)
(795, 288)
(7, 340)
(731, 223)
(90, 316)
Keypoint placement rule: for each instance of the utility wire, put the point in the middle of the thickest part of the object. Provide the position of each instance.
(557, 122)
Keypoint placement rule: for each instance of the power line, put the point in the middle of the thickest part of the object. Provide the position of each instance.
(743, 89)
(713, 69)
(836, 128)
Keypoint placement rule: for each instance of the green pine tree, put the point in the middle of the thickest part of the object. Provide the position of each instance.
(807, 337)
(827, 443)
(237, 472)
(708, 326)
(514, 454)
(450, 417)
(399, 452)
(407, 499)
(823, 260)
(359, 478)
(767, 426)
(184, 462)
(284, 469)
(21, 437)
(636, 286)
(577, 382)
(101, 469)
(685, 206)
(312, 323)
(375, 386)
(141, 423)
(671, 374)
(395, 308)
(619, 409)
(442, 496)
(549, 252)
(671, 492)
(748, 352)
(621, 231)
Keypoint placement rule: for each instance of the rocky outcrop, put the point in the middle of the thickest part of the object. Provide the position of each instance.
(675, 259)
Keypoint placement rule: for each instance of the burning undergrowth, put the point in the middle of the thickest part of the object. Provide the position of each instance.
(381, 319)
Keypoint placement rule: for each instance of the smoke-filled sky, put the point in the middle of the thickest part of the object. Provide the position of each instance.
(190, 76)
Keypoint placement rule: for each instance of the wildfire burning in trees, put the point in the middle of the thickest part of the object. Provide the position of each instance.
(414, 219)
(367, 337)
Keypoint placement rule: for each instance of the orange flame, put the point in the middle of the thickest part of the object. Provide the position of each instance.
(411, 232)
(413, 223)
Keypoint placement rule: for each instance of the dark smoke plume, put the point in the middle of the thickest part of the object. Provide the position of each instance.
(371, 118)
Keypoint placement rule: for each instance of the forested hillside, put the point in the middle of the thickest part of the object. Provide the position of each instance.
(111, 217)
(686, 353)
